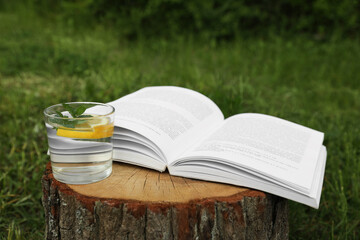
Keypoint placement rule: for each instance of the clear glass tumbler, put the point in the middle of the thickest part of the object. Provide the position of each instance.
(79, 138)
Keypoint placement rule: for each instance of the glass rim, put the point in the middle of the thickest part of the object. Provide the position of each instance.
(85, 118)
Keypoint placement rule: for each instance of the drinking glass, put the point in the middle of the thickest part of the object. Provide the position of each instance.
(79, 138)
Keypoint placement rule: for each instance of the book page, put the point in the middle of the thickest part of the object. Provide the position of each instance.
(265, 145)
(219, 172)
(120, 133)
(172, 117)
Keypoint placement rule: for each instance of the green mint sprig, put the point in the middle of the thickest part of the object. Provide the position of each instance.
(75, 112)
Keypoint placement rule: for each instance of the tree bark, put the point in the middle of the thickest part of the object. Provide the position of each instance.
(137, 203)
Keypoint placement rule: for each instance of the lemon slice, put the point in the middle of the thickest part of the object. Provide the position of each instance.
(92, 129)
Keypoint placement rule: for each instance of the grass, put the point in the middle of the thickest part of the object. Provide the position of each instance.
(316, 84)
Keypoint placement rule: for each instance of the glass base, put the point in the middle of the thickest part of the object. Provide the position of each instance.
(81, 173)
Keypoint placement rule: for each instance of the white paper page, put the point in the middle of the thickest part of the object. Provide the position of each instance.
(225, 166)
(133, 139)
(199, 170)
(268, 145)
(131, 145)
(140, 139)
(171, 117)
(133, 157)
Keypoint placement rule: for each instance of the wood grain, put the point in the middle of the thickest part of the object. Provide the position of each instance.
(130, 182)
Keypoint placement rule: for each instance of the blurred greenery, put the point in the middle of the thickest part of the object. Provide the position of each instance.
(209, 19)
(47, 57)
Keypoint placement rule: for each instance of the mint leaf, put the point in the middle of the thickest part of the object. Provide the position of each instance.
(75, 112)
(80, 110)
(59, 114)
(69, 124)
(85, 116)
(69, 109)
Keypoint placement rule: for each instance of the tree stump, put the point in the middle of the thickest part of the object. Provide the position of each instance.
(138, 203)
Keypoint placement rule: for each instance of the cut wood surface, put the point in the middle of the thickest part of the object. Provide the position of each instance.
(138, 203)
(128, 182)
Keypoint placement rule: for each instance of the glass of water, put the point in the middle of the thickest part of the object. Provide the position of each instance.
(79, 138)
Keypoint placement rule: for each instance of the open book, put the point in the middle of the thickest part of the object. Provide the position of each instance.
(184, 131)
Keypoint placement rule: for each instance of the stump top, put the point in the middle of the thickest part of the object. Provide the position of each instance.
(136, 183)
(129, 182)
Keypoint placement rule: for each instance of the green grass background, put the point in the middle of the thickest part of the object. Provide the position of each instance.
(313, 83)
